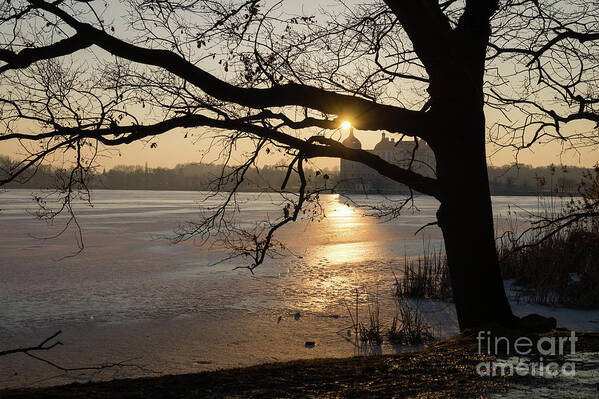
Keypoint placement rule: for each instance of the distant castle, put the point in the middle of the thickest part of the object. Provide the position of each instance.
(358, 178)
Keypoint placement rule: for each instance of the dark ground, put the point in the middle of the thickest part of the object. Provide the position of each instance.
(445, 370)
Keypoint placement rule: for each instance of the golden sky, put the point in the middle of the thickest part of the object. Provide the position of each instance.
(173, 149)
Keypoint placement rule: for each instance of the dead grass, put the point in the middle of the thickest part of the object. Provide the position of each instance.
(426, 277)
(409, 326)
(561, 271)
(369, 332)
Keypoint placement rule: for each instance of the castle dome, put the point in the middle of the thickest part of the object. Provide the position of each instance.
(351, 141)
(385, 144)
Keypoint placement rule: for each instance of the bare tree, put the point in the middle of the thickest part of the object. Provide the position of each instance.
(82, 76)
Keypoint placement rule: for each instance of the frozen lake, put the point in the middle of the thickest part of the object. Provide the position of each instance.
(132, 295)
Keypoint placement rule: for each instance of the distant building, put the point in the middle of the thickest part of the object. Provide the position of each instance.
(358, 178)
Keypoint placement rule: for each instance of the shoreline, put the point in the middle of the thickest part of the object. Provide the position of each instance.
(441, 369)
(445, 369)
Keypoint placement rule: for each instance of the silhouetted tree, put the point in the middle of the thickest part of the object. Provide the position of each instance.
(81, 76)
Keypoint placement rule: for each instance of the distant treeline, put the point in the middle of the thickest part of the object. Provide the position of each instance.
(504, 180)
(529, 180)
(192, 176)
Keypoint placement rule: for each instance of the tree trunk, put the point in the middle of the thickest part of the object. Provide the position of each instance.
(466, 220)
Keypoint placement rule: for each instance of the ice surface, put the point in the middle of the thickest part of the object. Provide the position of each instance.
(133, 295)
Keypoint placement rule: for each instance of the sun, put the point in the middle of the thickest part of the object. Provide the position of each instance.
(346, 125)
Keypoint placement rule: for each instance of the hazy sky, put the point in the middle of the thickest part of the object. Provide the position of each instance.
(172, 148)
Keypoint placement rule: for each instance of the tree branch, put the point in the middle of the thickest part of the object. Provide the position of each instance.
(28, 56)
(43, 346)
(365, 114)
(315, 146)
